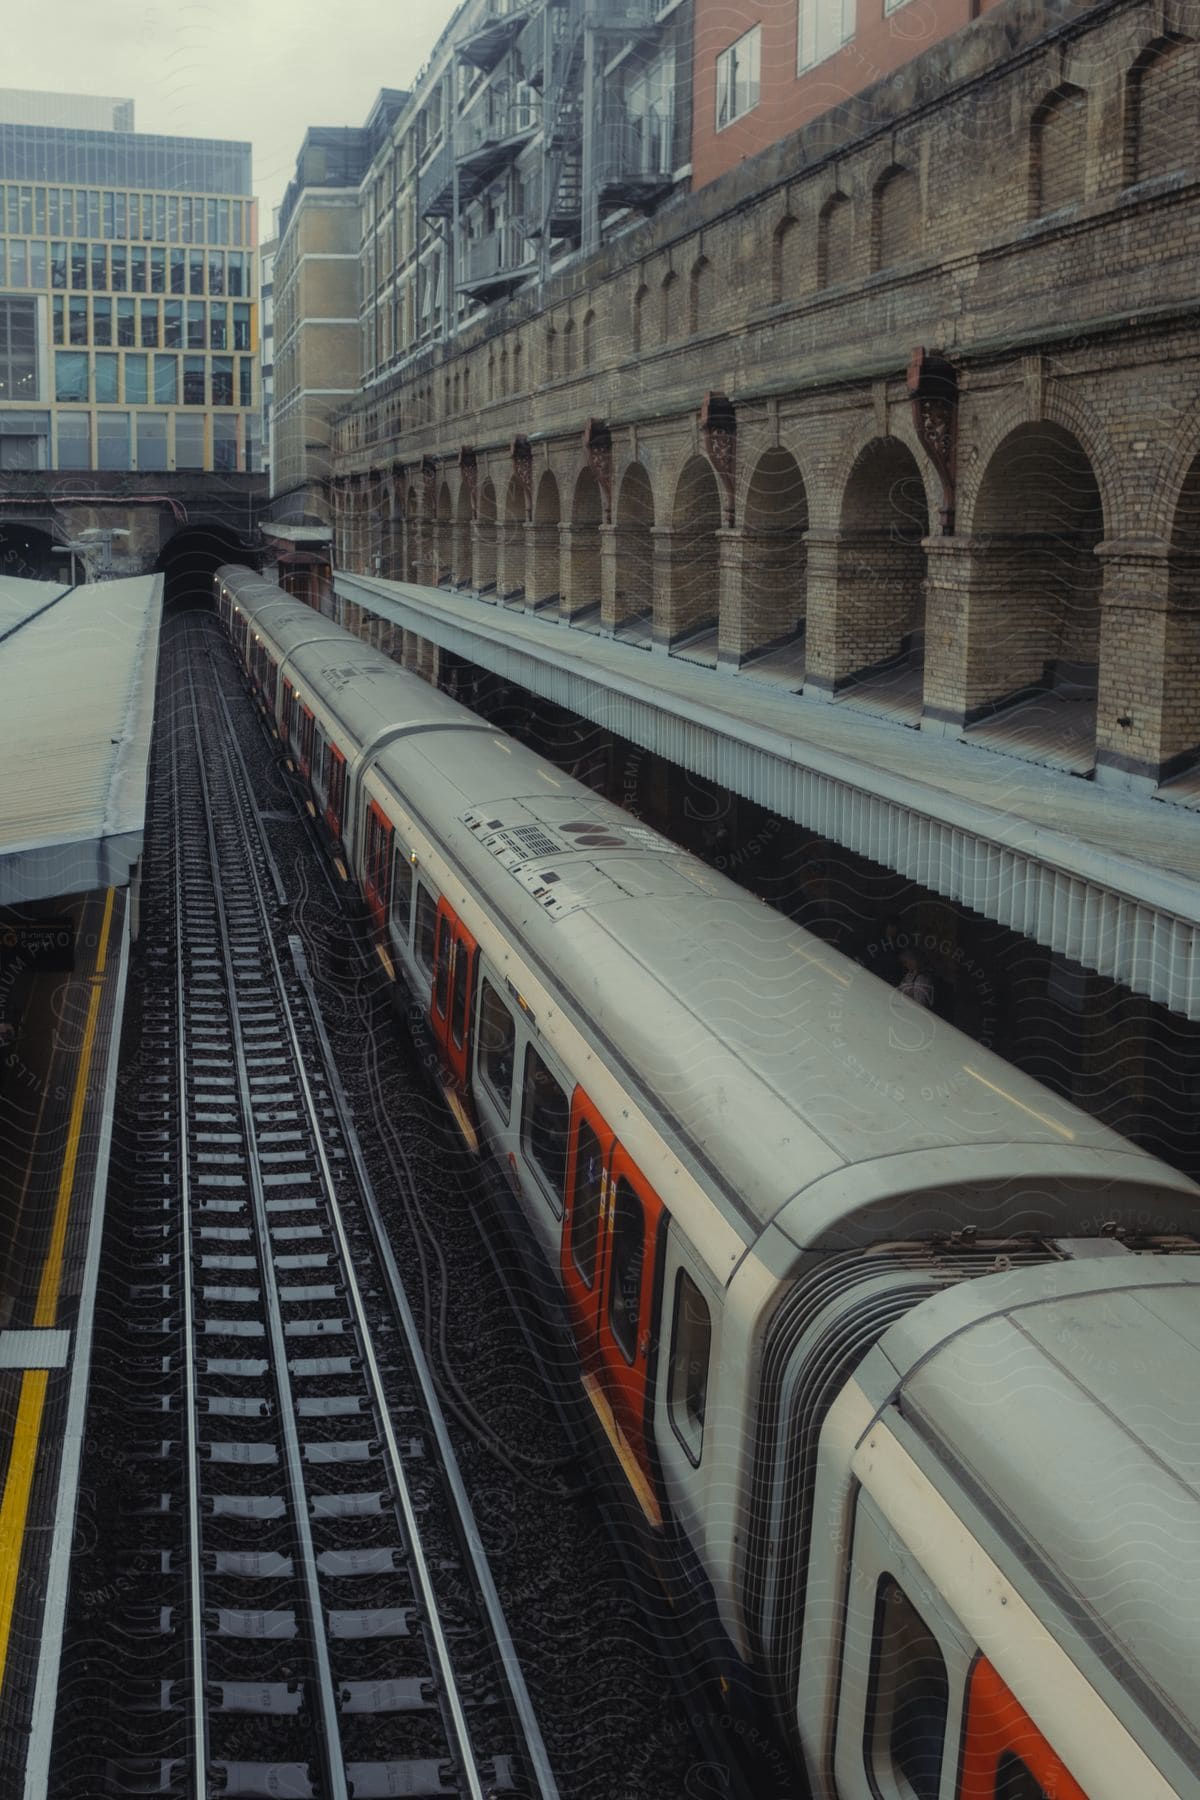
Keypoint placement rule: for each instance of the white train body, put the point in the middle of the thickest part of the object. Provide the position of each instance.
(838, 1254)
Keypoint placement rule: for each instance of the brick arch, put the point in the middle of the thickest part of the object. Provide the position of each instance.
(639, 316)
(1161, 107)
(542, 559)
(699, 287)
(1072, 415)
(1171, 476)
(443, 547)
(896, 224)
(835, 242)
(585, 575)
(634, 515)
(771, 597)
(413, 534)
(1057, 149)
(512, 540)
(826, 492)
(485, 561)
(691, 603)
(461, 559)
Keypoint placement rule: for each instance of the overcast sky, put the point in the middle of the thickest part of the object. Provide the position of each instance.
(258, 69)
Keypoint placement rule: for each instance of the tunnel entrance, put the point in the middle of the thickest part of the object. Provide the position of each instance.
(27, 554)
(190, 559)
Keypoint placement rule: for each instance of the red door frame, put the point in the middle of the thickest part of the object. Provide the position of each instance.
(629, 1385)
(307, 734)
(452, 943)
(336, 798)
(997, 1723)
(377, 862)
(583, 1301)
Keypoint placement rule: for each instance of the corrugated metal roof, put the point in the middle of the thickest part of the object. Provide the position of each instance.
(76, 709)
(1107, 877)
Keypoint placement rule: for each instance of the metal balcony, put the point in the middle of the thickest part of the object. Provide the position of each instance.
(486, 146)
(484, 48)
(623, 17)
(633, 159)
(531, 52)
(493, 263)
(437, 183)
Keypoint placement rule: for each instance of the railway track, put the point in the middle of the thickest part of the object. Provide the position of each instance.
(317, 1618)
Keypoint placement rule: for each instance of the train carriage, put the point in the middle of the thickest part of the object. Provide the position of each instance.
(747, 1164)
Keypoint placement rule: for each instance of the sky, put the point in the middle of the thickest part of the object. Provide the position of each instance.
(262, 70)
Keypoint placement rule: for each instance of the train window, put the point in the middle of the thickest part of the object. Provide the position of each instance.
(628, 1254)
(589, 1187)
(1014, 1781)
(545, 1122)
(691, 1341)
(402, 880)
(458, 998)
(426, 926)
(906, 1708)
(497, 1046)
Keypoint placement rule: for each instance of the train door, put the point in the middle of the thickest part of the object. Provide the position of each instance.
(453, 982)
(610, 1274)
(1005, 1756)
(308, 727)
(285, 712)
(336, 800)
(377, 864)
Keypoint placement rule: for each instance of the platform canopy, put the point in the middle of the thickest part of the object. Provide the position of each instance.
(77, 678)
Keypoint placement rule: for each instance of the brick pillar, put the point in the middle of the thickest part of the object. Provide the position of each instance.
(735, 632)
(1148, 716)
(510, 562)
(610, 549)
(483, 557)
(541, 564)
(686, 582)
(580, 554)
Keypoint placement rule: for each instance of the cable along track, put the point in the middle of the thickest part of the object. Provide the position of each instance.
(343, 1635)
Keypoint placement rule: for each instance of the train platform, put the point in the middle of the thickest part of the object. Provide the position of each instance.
(1107, 876)
(77, 682)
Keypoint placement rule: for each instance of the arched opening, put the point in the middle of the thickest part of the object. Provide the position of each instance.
(588, 340)
(189, 560)
(485, 555)
(692, 601)
(587, 513)
(543, 584)
(699, 286)
(462, 537)
(444, 536)
(881, 581)
(568, 347)
(633, 608)
(412, 537)
(394, 566)
(640, 300)
(1180, 731)
(27, 554)
(786, 271)
(1162, 109)
(1035, 597)
(834, 246)
(512, 543)
(1058, 151)
(670, 309)
(773, 585)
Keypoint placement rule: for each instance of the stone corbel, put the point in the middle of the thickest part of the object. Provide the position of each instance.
(933, 389)
(597, 445)
(718, 428)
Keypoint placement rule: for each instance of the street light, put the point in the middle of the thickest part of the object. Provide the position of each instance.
(105, 535)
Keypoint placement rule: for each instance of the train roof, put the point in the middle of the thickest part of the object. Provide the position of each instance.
(782, 1062)
(809, 1092)
(1064, 1400)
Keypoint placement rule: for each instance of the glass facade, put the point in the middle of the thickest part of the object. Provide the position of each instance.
(123, 256)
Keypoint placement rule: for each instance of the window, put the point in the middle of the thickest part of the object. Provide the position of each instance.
(151, 440)
(241, 327)
(195, 261)
(497, 1046)
(245, 380)
(158, 270)
(625, 1279)
(70, 376)
(691, 1341)
(112, 440)
(16, 262)
(177, 283)
(78, 265)
(126, 322)
(195, 324)
(59, 326)
(99, 267)
(906, 1707)
(18, 350)
(101, 321)
(74, 441)
(119, 274)
(401, 887)
(105, 378)
(218, 329)
(222, 380)
(1014, 1781)
(58, 265)
(166, 380)
(225, 441)
(738, 78)
(587, 1194)
(173, 324)
(216, 271)
(545, 1120)
(135, 381)
(37, 264)
(137, 268)
(24, 440)
(149, 311)
(426, 926)
(458, 999)
(441, 979)
(824, 26)
(189, 441)
(77, 321)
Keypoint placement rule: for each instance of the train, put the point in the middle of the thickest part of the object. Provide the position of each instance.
(894, 1353)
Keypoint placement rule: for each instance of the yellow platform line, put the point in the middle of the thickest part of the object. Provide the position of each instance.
(46, 1310)
(15, 1506)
